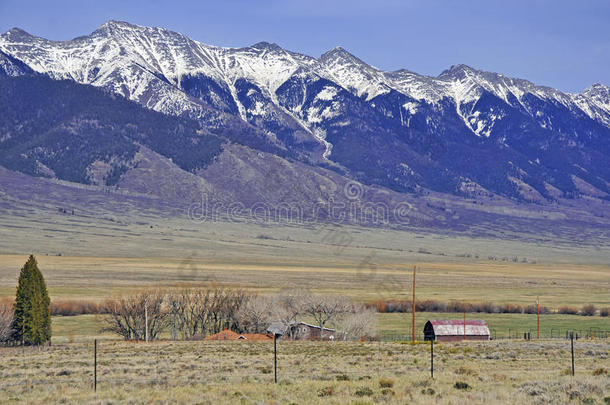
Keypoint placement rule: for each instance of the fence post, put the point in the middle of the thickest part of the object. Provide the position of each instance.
(275, 358)
(431, 358)
(146, 320)
(94, 365)
(572, 344)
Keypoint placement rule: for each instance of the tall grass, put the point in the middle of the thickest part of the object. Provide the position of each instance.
(75, 307)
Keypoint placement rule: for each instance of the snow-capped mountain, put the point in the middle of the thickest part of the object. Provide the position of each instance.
(465, 129)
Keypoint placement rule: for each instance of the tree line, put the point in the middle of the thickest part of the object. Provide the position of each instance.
(196, 312)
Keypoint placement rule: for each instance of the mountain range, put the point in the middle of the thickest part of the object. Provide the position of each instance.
(151, 111)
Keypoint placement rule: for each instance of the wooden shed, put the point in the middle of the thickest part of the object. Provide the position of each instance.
(302, 331)
(453, 330)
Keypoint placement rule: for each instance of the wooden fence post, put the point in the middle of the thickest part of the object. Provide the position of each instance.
(275, 358)
(572, 345)
(431, 358)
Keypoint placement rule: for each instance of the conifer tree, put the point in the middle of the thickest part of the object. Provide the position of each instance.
(32, 314)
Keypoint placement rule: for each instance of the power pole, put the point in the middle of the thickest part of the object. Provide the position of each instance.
(538, 314)
(413, 310)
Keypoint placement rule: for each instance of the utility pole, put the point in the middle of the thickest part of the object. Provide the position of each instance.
(538, 314)
(413, 310)
(146, 320)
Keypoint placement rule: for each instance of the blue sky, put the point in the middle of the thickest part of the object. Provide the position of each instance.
(563, 44)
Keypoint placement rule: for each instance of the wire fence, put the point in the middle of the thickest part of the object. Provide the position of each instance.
(160, 364)
(516, 334)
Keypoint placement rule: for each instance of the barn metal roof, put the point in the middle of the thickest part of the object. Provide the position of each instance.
(277, 328)
(280, 328)
(456, 327)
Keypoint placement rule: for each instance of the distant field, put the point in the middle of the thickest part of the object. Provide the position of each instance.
(473, 280)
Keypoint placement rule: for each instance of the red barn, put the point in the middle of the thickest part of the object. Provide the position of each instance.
(453, 330)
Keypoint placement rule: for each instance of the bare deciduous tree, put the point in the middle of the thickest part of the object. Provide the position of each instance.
(224, 304)
(6, 319)
(206, 311)
(127, 315)
(326, 309)
(360, 323)
(255, 314)
(288, 305)
(190, 308)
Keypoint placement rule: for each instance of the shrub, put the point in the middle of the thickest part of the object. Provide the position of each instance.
(363, 391)
(588, 310)
(461, 385)
(458, 306)
(604, 311)
(463, 370)
(386, 383)
(532, 309)
(73, 307)
(511, 309)
(600, 371)
(326, 392)
(428, 391)
(566, 310)
(342, 377)
(388, 392)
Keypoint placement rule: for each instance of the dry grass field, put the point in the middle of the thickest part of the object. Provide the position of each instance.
(473, 280)
(309, 373)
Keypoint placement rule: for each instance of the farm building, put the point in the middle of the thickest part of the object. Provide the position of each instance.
(302, 331)
(453, 330)
(230, 335)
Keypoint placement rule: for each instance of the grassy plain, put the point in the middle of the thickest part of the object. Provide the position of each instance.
(473, 280)
(309, 373)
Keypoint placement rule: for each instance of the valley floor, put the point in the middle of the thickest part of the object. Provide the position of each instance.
(366, 274)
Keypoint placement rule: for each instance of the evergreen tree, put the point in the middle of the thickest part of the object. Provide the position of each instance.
(32, 316)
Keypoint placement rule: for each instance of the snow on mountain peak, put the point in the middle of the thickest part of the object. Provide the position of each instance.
(133, 60)
(17, 32)
(458, 70)
(352, 73)
(268, 46)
